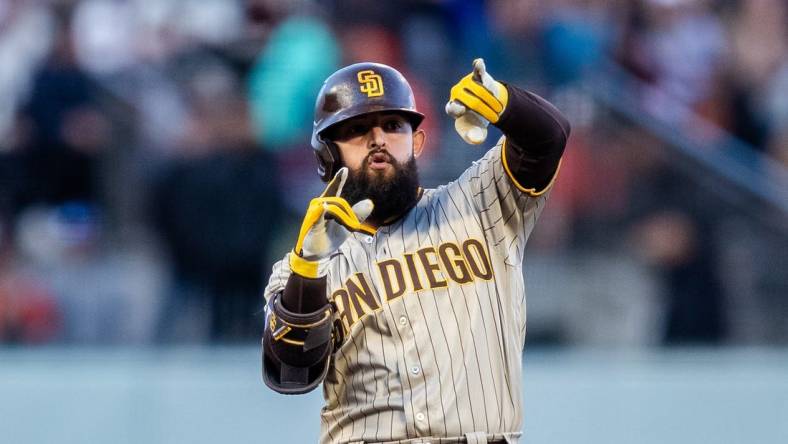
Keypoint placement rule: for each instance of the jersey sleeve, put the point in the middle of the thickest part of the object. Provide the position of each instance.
(278, 279)
(506, 210)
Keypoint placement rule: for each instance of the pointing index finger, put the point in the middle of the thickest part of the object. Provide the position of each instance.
(479, 69)
(334, 188)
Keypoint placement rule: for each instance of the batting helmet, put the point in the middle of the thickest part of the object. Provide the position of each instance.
(352, 91)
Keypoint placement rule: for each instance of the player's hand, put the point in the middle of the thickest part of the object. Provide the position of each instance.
(328, 223)
(476, 101)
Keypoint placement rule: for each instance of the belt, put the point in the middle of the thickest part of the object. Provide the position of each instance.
(469, 438)
(481, 438)
(427, 440)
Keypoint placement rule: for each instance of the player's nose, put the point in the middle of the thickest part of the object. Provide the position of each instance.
(377, 137)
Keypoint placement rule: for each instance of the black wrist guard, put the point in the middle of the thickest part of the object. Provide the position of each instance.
(304, 330)
(296, 347)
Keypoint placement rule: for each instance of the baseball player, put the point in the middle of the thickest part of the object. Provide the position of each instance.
(409, 304)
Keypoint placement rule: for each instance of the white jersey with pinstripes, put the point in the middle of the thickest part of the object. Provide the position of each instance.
(433, 308)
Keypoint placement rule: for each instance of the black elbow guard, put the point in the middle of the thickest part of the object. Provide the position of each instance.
(296, 347)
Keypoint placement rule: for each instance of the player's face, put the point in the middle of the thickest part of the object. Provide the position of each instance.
(380, 150)
(374, 144)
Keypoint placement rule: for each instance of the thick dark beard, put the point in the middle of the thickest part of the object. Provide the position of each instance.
(392, 197)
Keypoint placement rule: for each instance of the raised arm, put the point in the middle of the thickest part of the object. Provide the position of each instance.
(536, 132)
(299, 334)
(507, 187)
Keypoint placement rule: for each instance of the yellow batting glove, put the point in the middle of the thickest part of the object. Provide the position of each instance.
(475, 101)
(328, 223)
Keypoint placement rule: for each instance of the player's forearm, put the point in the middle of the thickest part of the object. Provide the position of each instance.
(304, 295)
(303, 301)
(298, 335)
(536, 134)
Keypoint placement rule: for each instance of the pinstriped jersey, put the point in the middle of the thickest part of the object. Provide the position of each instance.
(433, 311)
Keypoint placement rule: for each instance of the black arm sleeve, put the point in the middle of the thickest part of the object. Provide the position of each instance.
(304, 295)
(297, 360)
(536, 134)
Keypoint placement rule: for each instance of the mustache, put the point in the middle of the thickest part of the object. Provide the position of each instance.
(389, 157)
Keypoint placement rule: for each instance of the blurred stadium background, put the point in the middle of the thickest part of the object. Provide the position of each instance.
(154, 163)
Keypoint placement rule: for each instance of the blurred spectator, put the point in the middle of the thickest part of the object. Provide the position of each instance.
(217, 207)
(25, 37)
(687, 43)
(104, 293)
(675, 235)
(301, 52)
(104, 97)
(777, 104)
(632, 50)
(469, 28)
(759, 36)
(574, 38)
(29, 313)
(67, 130)
(518, 26)
(754, 57)
(758, 39)
(385, 13)
(672, 242)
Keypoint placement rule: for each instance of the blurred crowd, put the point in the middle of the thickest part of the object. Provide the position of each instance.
(155, 160)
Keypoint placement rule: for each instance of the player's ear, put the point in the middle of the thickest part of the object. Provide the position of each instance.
(419, 136)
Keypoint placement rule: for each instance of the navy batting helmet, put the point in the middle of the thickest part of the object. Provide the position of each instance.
(352, 91)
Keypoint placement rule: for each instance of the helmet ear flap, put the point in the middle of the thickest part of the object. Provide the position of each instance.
(327, 159)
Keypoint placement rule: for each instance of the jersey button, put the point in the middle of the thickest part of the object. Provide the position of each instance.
(403, 321)
(368, 239)
(420, 416)
(415, 370)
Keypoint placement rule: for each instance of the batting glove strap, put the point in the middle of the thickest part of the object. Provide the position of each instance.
(302, 267)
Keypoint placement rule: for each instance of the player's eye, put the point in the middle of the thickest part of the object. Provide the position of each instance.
(357, 130)
(393, 125)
